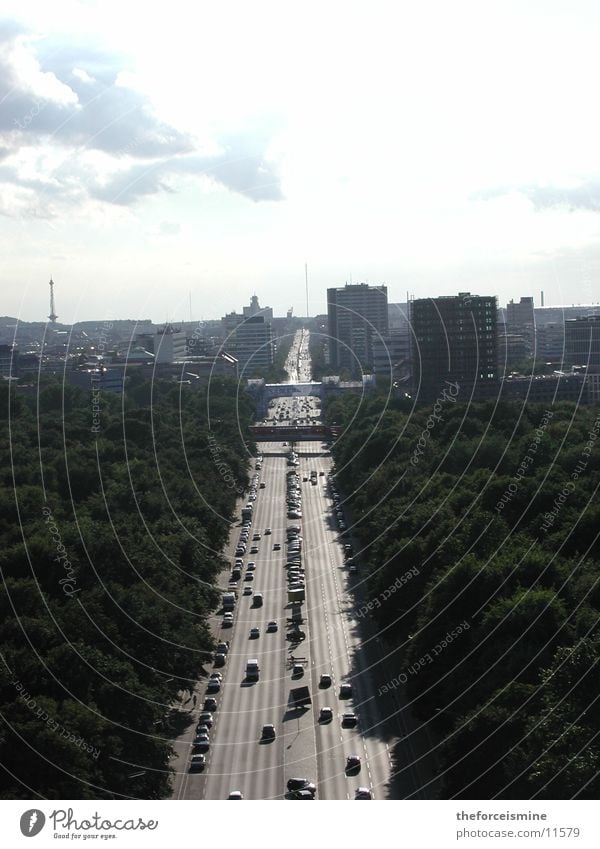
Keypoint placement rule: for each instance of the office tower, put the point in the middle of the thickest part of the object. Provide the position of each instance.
(357, 313)
(254, 343)
(454, 340)
(582, 341)
(520, 321)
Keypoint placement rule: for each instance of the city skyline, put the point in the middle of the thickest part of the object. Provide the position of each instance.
(376, 146)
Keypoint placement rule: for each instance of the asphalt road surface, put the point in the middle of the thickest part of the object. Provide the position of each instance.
(303, 747)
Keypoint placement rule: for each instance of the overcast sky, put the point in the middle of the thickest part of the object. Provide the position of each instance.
(149, 151)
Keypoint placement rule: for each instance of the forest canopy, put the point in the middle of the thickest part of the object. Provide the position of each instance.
(492, 511)
(114, 513)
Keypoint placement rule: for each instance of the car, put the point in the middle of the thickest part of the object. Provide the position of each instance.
(301, 784)
(210, 705)
(249, 576)
(247, 591)
(272, 626)
(349, 719)
(305, 479)
(297, 670)
(325, 714)
(223, 647)
(228, 617)
(321, 474)
(363, 793)
(325, 680)
(352, 763)
(254, 549)
(300, 794)
(214, 685)
(197, 762)
(205, 718)
(256, 536)
(241, 549)
(277, 546)
(345, 690)
(217, 675)
(353, 569)
(201, 743)
(202, 729)
(236, 794)
(262, 485)
(267, 531)
(254, 633)
(268, 732)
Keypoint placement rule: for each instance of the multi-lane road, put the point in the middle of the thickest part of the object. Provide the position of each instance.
(304, 746)
(337, 644)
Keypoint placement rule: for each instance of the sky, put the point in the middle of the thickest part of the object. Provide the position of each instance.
(167, 161)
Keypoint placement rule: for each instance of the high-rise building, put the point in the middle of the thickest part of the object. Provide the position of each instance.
(519, 315)
(582, 341)
(254, 343)
(455, 340)
(520, 321)
(357, 313)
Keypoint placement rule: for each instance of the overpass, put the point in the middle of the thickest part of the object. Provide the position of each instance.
(290, 433)
(263, 393)
(268, 391)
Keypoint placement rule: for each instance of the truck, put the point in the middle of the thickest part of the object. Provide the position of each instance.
(252, 670)
(228, 601)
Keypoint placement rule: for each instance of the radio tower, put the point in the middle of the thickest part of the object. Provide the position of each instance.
(52, 315)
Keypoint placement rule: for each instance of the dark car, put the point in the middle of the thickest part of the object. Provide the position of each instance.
(300, 794)
(352, 764)
(210, 705)
(197, 762)
(301, 784)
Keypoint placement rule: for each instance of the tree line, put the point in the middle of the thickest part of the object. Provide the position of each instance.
(110, 541)
(485, 520)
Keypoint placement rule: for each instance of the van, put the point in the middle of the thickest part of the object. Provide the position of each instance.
(258, 599)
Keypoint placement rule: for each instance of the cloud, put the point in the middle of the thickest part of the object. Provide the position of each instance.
(95, 111)
(74, 98)
(170, 228)
(239, 167)
(584, 196)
